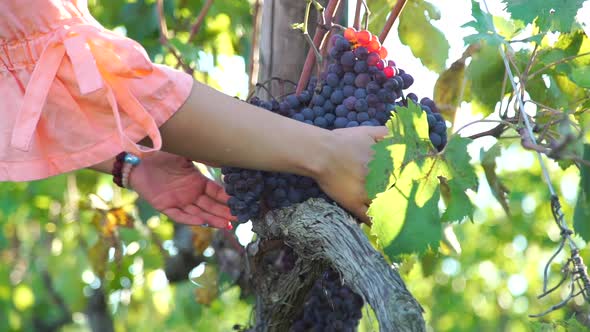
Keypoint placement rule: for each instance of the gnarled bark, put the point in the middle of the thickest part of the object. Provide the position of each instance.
(323, 235)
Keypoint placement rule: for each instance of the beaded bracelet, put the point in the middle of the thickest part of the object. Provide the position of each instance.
(124, 163)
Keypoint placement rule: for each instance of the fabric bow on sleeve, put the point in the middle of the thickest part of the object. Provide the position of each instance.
(100, 59)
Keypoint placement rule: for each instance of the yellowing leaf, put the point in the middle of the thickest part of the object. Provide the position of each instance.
(202, 238)
(108, 222)
(448, 89)
(119, 217)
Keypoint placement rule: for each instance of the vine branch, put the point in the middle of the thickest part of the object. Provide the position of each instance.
(557, 62)
(200, 19)
(395, 11)
(164, 40)
(315, 43)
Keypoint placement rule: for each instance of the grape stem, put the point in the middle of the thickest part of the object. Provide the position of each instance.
(395, 11)
(165, 41)
(199, 21)
(316, 42)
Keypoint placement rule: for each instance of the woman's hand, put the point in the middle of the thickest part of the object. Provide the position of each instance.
(345, 167)
(175, 187)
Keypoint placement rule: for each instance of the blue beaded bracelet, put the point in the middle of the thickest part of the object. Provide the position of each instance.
(124, 163)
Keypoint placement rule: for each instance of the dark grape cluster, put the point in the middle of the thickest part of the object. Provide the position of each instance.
(358, 88)
(245, 188)
(437, 127)
(330, 306)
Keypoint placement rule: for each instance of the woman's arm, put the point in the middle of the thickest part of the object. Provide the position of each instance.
(216, 128)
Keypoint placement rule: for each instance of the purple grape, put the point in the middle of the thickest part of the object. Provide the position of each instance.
(308, 113)
(347, 59)
(361, 67)
(341, 111)
(348, 90)
(372, 99)
(342, 44)
(361, 105)
(408, 80)
(373, 87)
(318, 111)
(440, 127)
(337, 97)
(330, 118)
(360, 93)
(361, 52)
(431, 121)
(332, 79)
(372, 59)
(318, 100)
(349, 102)
(348, 78)
(351, 116)
(293, 101)
(413, 97)
(435, 139)
(362, 80)
(362, 117)
(327, 91)
(299, 117)
(320, 122)
(340, 122)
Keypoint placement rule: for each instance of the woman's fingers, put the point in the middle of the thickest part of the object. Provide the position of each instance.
(210, 218)
(377, 133)
(216, 192)
(361, 213)
(200, 218)
(182, 217)
(206, 203)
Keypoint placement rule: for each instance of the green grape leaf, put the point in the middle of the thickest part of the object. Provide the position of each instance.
(486, 74)
(404, 226)
(580, 76)
(405, 129)
(458, 204)
(547, 15)
(509, 28)
(380, 175)
(426, 41)
(573, 325)
(569, 46)
(484, 25)
(462, 176)
(582, 210)
(406, 217)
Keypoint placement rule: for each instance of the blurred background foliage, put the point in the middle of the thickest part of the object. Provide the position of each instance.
(76, 251)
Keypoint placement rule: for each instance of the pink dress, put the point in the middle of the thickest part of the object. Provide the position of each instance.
(73, 94)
